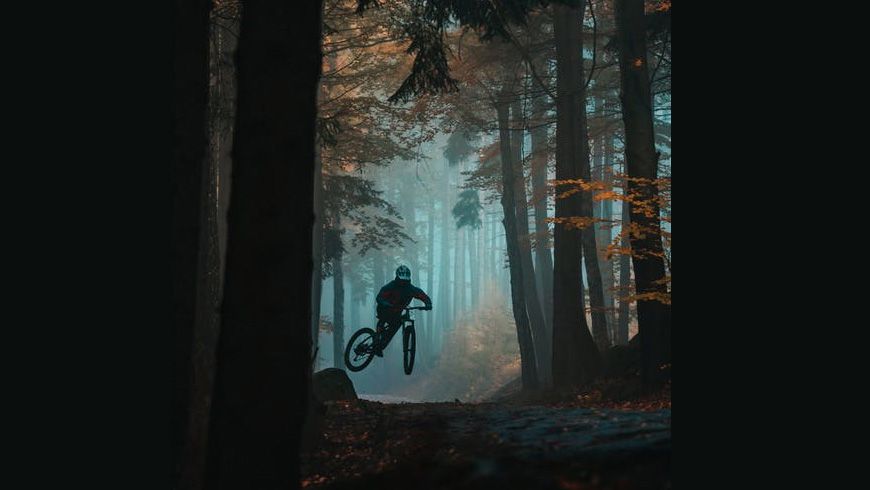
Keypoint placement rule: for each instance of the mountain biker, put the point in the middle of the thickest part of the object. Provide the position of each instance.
(393, 298)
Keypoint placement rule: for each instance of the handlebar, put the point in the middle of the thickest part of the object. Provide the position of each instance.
(415, 308)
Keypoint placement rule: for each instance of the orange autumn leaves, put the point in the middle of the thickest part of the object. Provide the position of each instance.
(648, 197)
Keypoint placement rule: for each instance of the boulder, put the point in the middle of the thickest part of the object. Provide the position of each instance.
(332, 384)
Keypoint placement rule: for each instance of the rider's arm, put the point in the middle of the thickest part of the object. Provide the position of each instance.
(422, 296)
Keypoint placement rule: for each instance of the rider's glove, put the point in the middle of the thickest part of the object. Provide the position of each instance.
(428, 307)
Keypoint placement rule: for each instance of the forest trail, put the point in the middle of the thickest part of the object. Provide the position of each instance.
(368, 444)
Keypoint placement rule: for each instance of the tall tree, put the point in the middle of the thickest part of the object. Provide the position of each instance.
(576, 359)
(528, 360)
(337, 294)
(624, 278)
(318, 231)
(603, 211)
(654, 314)
(543, 343)
(539, 157)
(190, 143)
(264, 351)
(590, 244)
(590, 259)
(467, 214)
(430, 274)
(444, 261)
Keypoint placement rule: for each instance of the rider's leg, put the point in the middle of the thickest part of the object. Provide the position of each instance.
(380, 331)
(393, 326)
(386, 329)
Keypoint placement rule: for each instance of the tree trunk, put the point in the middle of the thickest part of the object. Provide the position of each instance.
(430, 274)
(604, 231)
(461, 250)
(528, 360)
(225, 99)
(624, 280)
(593, 270)
(590, 243)
(264, 351)
(317, 247)
(484, 255)
(654, 317)
(190, 143)
(536, 313)
(458, 262)
(444, 262)
(543, 258)
(481, 258)
(208, 293)
(355, 286)
(337, 305)
(576, 359)
(473, 267)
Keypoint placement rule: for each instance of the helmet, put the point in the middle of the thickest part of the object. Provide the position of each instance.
(403, 273)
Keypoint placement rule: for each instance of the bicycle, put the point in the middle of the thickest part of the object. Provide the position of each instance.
(365, 342)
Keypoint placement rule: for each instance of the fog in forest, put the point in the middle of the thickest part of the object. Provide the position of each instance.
(467, 345)
(515, 156)
(416, 177)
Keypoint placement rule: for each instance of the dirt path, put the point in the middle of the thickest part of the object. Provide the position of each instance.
(452, 445)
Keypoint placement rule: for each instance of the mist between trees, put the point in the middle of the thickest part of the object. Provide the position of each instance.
(518, 164)
(420, 183)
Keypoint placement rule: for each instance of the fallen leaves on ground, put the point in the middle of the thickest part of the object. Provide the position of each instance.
(455, 445)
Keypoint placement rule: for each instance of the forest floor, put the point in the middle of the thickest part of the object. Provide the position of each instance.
(582, 441)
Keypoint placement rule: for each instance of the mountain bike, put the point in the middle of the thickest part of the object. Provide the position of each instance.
(365, 342)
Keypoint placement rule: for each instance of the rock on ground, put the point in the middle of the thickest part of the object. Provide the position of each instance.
(333, 384)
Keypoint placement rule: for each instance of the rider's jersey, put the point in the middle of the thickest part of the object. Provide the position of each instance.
(396, 295)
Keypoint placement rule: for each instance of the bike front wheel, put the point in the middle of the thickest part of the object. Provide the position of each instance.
(360, 350)
(409, 346)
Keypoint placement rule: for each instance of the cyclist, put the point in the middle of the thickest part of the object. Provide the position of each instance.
(392, 299)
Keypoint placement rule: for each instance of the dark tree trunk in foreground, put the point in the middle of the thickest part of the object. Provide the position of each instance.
(264, 351)
(576, 360)
(190, 142)
(518, 300)
(208, 304)
(543, 343)
(654, 317)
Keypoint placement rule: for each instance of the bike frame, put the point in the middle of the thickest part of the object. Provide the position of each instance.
(404, 320)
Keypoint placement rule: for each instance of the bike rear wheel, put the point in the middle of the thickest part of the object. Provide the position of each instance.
(409, 346)
(360, 350)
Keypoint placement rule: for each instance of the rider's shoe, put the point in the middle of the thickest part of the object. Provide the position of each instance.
(379, 352)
